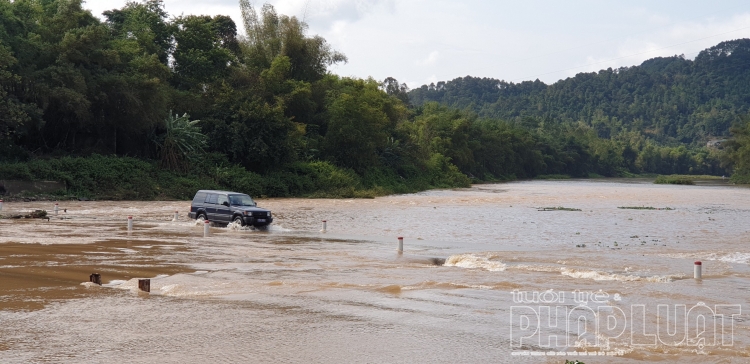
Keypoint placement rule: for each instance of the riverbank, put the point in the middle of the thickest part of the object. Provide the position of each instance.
(122, 178)
(98, 177)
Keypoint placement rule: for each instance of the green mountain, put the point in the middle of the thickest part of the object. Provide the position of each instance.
(668, 99)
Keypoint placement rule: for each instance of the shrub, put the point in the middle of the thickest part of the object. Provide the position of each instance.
(674, 180)
(443, 174)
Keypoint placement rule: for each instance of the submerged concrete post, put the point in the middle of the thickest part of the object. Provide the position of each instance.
(57, 208)
(401, 245)
(1, 205)
(206, 229)
(176, 215)
(130, 223)
(96, 278)
(144, 285)
(697, 274)
(324, 226)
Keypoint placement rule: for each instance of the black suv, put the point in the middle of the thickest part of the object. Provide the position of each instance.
(226, 207)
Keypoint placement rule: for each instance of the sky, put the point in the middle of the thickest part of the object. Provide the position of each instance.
(423, 41)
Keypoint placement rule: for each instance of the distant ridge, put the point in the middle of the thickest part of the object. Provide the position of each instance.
(670, 99)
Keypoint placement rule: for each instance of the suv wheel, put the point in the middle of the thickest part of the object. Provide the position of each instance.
(201, 216)
(238, 220)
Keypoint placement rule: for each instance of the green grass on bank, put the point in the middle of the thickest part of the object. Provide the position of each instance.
(559, 208)
(673, 180)
(553, 176)
(644, 208)
(682, 179)
(125, 178)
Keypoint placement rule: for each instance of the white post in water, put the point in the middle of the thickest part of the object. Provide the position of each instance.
(401, 245)
(206, 230)
(1, 205)
(57, 208)
(130, 223)
(697, 273)
(324, 226)
(176, 215)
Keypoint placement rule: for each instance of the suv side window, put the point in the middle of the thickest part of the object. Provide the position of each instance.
(222, 199)
(199, 197)
(212, 198)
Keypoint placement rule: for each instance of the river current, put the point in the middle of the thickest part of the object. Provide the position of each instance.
(542, 271)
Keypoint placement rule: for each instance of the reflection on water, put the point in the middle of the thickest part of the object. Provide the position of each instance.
(294, 294)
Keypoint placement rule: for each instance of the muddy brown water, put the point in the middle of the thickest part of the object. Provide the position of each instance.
(518, 284)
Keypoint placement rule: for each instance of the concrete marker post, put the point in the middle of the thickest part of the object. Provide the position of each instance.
(206, 229)
(57, 208)
(144, 285)
(130, 223)
(697, 274)
(1, 205)
(401, 245)
(96, 278)
(324, 226)
(176, 216)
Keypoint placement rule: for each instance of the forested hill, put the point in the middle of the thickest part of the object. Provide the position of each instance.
(144, 105)
(667, 99)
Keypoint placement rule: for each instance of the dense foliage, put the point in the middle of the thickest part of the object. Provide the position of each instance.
(737, 156)
(668, 99)
(652, 118)
(97, 104)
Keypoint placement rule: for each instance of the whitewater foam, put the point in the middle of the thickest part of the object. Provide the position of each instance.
(535, 268)
(278, 228)
(736, 257)
(605, 276)
(235, 226)
(741, 258)
(114, 283)
(483, 261)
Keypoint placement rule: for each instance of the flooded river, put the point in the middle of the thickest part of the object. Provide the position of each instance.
(522, 280)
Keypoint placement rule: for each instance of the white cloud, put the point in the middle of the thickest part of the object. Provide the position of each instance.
(687, 38)
(437, 40)
(325, 12)
(430, 60)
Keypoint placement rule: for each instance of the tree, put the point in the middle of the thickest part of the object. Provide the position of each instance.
(440, 130)
(247, 119)
(359, 124)
(147, 24)
(204, 50)
(737, 151)
(181, 143)
(400, 91)
(274, 35)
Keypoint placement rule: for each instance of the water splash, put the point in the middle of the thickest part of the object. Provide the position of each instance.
(235, 226)
(483, 261)
(606, 276)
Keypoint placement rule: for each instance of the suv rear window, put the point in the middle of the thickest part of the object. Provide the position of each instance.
(199, 197)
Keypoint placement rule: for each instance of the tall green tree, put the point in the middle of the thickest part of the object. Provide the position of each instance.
(271, 35)
(204, 50)
(737, 151)
(360, 120)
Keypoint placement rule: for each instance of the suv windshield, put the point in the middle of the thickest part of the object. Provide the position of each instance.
(241, 200)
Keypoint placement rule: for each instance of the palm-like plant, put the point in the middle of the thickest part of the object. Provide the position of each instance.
(181, 143)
